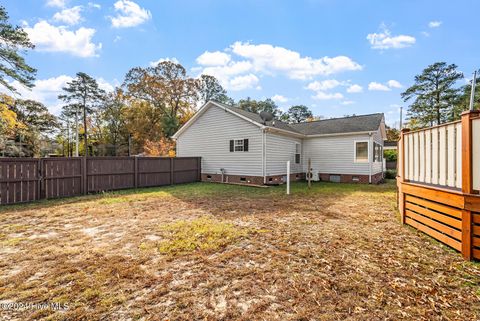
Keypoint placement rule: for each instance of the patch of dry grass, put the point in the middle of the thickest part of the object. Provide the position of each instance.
(216, 252)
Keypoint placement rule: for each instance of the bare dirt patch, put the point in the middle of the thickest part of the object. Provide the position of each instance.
(336, 252)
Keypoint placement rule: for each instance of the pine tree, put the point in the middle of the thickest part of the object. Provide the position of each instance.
(434, 94)
(84, 91)
(13, 40)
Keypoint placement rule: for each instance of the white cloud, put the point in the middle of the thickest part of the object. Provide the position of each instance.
(434, 24)
(56, 3)
(270, 59)
(243, 82)
(94, 5)
(327, 96)
(155, 63)
(216, 58)
(47, 90)
(69, 16)
(385, 40)
(394, 84)
(323, 85)
(347, 102)
(60, 39)
(225, 74)
(279, 98)
(354, 89)
(426, 34)
(129, 14)
(117, 38)
(375, 86)
(105, 85)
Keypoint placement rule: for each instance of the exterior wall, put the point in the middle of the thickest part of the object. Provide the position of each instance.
(335, 154)
(347, 178)
(279, 150)
(209, 137)
(255, 180)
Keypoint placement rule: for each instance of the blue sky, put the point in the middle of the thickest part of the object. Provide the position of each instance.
(337, 57)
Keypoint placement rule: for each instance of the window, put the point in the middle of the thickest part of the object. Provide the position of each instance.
(377, 153)
(239, 145)
(297, 153)
(361, 152)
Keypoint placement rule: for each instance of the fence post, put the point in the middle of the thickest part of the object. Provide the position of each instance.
(199, 168)
(171, 171)
(467, 180)
(135, 170)
(401, 173)
(84, 175)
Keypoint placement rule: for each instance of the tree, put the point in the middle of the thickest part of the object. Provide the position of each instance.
(434, 94)
(167, 88)
(35, 115)
(210, 89)
(83, 92)
(393, 134)
(114, 117)
(14, 39)
(463, 100)
(299, 113)
(257, 106)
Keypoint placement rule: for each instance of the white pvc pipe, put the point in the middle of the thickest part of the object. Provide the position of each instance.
(288, 178)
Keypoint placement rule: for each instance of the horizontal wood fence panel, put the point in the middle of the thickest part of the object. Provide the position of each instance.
(435, 234)
(27, 179)
(19, 180)
(476, 238)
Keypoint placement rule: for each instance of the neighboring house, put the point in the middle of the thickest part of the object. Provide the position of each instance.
(236, 146)
(390, 145)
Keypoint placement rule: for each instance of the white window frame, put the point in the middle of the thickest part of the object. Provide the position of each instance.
(299, 153)
(355, 152)
(235, 145)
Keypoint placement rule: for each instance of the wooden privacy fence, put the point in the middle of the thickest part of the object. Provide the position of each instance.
(29, 179)
(439, 182)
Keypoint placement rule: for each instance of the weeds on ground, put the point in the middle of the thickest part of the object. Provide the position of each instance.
(207, 234)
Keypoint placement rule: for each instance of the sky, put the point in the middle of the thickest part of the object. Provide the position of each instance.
(336, 57)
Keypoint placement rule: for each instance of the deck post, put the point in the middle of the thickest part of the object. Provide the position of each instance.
(401, 173)
(467, 180)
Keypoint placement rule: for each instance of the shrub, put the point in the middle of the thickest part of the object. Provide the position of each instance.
(390, 155)
(390, 174)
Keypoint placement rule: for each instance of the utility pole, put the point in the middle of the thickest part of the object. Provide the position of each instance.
(472, 94)
(401, 118)
(76, 130)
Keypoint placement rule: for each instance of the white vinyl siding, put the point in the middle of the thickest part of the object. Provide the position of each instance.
(209, 137)
(336, 155)
(281, 149)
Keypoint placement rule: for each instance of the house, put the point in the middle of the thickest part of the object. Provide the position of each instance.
(390, 145)
(237, 146)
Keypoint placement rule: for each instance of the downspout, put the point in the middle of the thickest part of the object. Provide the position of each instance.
(370, 158)
(264, 155)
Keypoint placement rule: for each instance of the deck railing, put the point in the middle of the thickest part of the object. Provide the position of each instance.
(439, 182)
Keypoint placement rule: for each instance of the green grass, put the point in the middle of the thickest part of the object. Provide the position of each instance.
(203, 233)
(203, 189)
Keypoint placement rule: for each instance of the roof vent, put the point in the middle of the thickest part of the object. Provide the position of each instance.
(266, 116)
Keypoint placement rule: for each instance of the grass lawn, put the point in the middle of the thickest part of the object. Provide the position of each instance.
(221, 252)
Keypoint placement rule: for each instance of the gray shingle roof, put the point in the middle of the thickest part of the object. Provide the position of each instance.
(351, 124)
